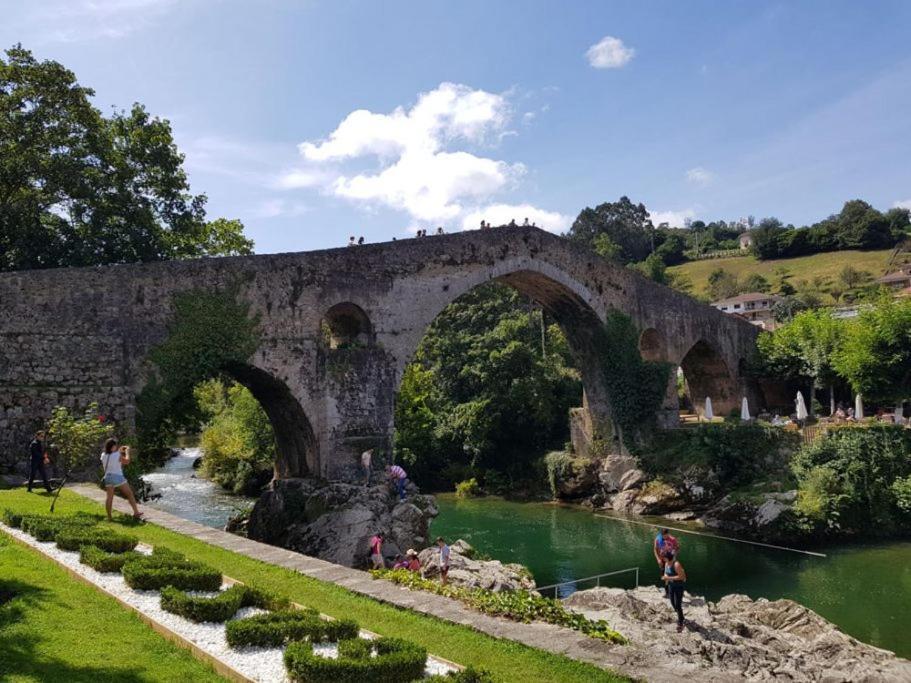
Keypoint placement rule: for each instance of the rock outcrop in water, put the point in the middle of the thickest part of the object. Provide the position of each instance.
(334, 520)
(738, 638)
(466, 569)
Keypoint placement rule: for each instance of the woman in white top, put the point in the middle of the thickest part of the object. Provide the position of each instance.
(112, 460)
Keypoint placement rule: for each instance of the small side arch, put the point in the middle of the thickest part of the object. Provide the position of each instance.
(346, 325)
(707, 375)
(652, 346)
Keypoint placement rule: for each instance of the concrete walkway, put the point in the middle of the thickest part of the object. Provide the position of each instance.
(630, 660)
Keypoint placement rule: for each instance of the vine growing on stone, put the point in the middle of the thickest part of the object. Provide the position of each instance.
(211, 331)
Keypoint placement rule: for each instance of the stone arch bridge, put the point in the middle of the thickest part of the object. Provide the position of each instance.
(337, 329)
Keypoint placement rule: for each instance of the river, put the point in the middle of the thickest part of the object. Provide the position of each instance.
(865, 589)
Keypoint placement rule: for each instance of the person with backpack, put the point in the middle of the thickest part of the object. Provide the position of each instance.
(38, 461)
(113, 460)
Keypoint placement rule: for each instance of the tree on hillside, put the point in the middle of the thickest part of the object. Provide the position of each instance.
(653, 268)
(626, 224)
(722, 284)
(78, 188)
(754, 282)
(875, 357)
(805, 347)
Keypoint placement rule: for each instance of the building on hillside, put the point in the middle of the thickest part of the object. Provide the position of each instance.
(754, 306)
(746, 240)
(897, 280)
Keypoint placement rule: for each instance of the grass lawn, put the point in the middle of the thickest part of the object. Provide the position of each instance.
(827, 265)
(506, 660)
(55, 628)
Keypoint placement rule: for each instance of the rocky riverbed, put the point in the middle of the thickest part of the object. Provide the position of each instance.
(738, 638)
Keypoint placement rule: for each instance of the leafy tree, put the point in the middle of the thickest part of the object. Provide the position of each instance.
(605, 247)
(626, 224)
(805, 347)
(722, 284)
(653, 268)
(671, 247)
(754, 282)
(787, 307)
(875, 357)
(77, 188)
(851, 277)
(77, 439)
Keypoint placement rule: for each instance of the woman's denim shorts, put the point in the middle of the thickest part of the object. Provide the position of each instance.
(114, 479)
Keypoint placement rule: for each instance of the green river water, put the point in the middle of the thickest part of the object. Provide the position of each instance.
(865, 589)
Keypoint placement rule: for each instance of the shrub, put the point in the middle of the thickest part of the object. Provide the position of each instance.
(104, 561)
(284, 626)
(219, 608)
(396, 661)
(516, 605)
(11, 518)
(73, 538)
(468, 489)
(355, 648)
(169, 569)
(46, 527)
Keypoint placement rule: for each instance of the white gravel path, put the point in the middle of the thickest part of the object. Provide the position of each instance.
(257, 663)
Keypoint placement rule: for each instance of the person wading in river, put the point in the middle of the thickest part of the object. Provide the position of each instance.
(675, 578)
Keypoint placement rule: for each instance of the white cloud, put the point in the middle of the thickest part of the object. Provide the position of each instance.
(272, 208)
(675, 219)
(419, 172)
(906, 204)
(68, 21)
(700, 176)
(502, 214)
(609, 53)
(300, 177)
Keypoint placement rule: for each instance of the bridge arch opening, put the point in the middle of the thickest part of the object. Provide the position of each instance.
(652, 346)
(490, 385)
(345, 325)
(706, 374)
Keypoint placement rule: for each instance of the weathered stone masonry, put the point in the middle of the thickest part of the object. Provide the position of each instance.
(74, 335)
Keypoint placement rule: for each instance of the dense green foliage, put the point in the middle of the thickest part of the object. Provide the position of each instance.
(78, 188)
(627, 226)
(466, 675)
(237, 440)
(210, 333)
(104, 561)
(162, 569)
(468, 489)
(732, 454)
(77, 439)
(103, 539)
(516, 605)
(857, 226)
(489, 391)
(396, 661)
(277, 628)
(852, 480)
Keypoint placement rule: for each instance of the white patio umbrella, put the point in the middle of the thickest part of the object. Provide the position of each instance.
(745, 410)
(898, 416)
(709, 415)
(858, 408)
(801, 407)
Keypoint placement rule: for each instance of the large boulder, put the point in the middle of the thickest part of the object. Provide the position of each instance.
(738, 638)
(765, 516)
(619, 473)
(335, 520)
(578, 478)
(465, 570)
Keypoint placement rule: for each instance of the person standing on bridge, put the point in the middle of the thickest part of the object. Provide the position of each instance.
(399, 478)
(38, 461)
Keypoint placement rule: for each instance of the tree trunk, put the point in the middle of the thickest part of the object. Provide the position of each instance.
(831, 400)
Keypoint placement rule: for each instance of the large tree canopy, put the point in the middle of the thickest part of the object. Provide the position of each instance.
(627, 226)
(78, 188)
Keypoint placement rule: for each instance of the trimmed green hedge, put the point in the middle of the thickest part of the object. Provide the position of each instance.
(11, 518)
(166, 568)
(285, 626)
(221, 607)
(396, 661)
(45, 528)
(73, 538)
(103, 561)
(468, 675)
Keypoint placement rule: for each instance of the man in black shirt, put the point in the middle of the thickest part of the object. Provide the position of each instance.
(36, 461)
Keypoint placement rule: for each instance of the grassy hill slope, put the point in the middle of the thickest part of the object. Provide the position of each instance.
(826, 265)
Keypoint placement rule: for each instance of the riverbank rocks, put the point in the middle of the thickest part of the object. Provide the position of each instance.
(335, 520)
(466, 569)
(764, 516)
(738, 638)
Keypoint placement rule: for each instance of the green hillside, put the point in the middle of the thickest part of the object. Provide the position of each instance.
(826, 265)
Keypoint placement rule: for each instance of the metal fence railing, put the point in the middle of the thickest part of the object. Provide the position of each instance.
(558, 588)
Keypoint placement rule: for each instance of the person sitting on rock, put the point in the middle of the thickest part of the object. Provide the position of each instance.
(376, 551)
(399, 477)
(675, 577)
(400, 562)
(413, 563)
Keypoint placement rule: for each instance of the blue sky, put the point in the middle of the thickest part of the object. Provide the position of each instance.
(313, 121)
